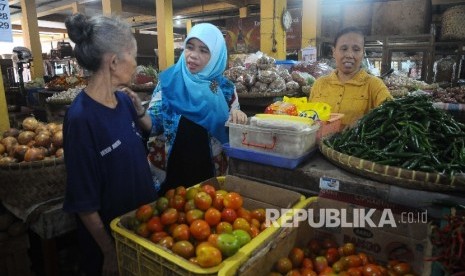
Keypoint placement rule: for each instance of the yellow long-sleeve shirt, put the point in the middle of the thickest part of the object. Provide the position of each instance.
(353, 98)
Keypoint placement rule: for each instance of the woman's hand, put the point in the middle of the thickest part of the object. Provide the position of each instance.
(238, 117)
(135, 100)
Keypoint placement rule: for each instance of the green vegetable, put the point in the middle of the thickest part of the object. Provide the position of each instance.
(409, 133)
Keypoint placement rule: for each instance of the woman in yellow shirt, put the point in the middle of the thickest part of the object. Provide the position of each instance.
(349, 89)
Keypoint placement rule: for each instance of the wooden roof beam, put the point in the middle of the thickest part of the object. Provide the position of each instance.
(42, 29)
(206, 9)
(446, 2)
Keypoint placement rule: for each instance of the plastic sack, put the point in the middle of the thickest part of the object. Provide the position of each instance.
(283, 108)
(317, 111)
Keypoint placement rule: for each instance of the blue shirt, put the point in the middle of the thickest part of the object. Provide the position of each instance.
(105, 156)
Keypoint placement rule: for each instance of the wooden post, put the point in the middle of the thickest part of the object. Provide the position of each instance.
(31, 36)
(272, 34)
(110, 7)
(4, 120)
(164, 10)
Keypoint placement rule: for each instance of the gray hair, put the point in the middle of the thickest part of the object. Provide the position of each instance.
(96, 36)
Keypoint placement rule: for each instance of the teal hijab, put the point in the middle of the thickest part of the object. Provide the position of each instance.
(200, 97)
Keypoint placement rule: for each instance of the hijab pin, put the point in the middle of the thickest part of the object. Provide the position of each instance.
(214, 86)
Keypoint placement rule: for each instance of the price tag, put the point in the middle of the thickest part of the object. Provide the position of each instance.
(327, 183)
(6, 34)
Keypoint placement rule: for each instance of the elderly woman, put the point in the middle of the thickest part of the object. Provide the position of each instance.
(105, 155)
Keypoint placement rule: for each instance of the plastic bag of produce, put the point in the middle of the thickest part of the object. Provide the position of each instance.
(283, 108)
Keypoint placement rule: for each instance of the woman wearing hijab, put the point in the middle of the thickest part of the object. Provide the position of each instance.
(190, 106)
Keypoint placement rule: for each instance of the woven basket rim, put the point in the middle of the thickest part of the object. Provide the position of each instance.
(442, 184)
(33, 164)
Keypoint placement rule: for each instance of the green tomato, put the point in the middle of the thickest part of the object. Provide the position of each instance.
(242, 236)
(228, 244)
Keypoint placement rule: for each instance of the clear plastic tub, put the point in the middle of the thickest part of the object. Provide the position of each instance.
(287, 143)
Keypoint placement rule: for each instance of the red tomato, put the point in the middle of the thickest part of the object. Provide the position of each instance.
(305, 271)
(212, 216)
(259, 214)
(202, 201)
(293, 272)
(194, 214)
(208, 256)
(180, 190)
(320, 263)
(241, 223)
(364, 258)
(255, 222)
(200, 229)
(192, 192)
(283, 265)
(166, 242)
(296, 256)
(157, 236)
(338, 266)
(181, 217)
(402, 268)
(244, 213)
(228, 215)
(190, 205)
(348, 249)
(355, 271)
(332, 255)
(209, 189)
(371, 270)
(170, 228)
(217, 202)
(307, 262)
(327, 271)
(213, 239)
(169, 216)
(184, 249)
(352, 261)
(314, 246)
(170, 193)
(154, 224)
(144, 213)
(224, 227)
(177, 202)
(233, 200)
(162, 204)
(181, 232)
(253, 231)
(328, 243)
(142, 230)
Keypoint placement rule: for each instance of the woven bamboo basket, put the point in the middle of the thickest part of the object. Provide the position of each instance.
(28, 183)
(396, 176)
(453, 22)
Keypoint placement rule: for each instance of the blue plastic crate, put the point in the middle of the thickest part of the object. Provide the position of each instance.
(266, 158)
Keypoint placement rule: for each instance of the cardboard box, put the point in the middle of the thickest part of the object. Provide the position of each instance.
(407, 243)
(139, 256)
